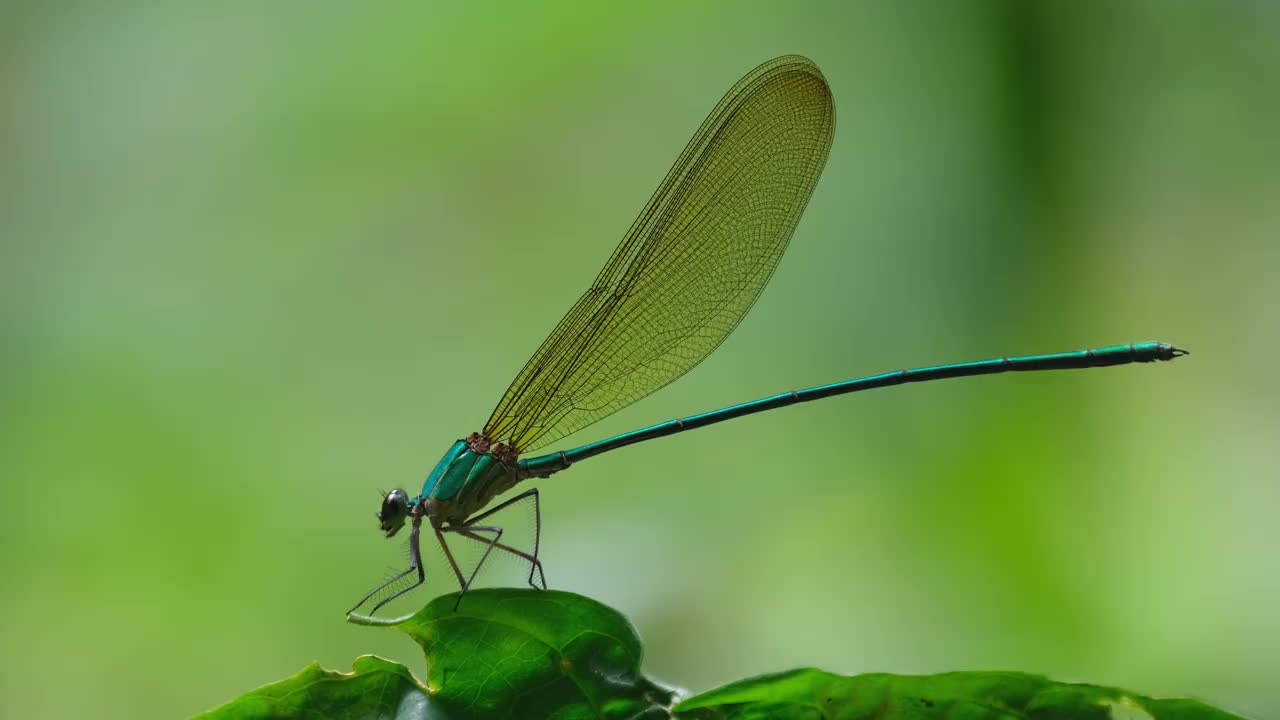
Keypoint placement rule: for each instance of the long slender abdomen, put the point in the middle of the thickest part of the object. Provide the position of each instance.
(1098, 357)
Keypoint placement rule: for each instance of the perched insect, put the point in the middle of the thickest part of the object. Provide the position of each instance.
(685, 274)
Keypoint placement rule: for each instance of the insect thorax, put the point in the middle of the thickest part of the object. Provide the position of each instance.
(470, 474)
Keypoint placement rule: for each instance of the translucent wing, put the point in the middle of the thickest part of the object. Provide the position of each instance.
(691, 265)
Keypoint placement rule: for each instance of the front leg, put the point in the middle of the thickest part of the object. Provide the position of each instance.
(415, 563)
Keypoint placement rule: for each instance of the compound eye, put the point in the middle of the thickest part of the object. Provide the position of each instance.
(395, 506)
(396, 503)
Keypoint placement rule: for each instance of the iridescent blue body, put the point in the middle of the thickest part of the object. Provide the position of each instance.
(544, 465)
(682, 278)
(474, 471)
(464, 481)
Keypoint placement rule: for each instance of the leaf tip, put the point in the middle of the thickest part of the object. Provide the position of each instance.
(358, 619)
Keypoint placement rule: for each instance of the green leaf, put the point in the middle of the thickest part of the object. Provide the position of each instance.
(518, 654)
(503, 654)
(810, 693)
(529, 654)
(375, 688)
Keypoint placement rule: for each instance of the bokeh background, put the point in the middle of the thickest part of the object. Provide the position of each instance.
(262, 260)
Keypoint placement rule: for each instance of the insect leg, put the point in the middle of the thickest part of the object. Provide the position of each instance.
(534, 563)
(497, 534)
(415, 563)
(462, 582)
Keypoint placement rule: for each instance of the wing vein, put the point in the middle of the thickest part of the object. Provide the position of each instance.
(690, 266)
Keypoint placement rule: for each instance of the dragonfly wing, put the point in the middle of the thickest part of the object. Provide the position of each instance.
(691, 265)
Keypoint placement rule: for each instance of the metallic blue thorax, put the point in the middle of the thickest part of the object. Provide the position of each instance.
(465, 481)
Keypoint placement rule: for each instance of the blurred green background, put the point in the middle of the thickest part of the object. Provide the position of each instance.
(260, 262)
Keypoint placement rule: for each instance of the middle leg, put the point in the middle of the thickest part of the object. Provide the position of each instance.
(489, 544)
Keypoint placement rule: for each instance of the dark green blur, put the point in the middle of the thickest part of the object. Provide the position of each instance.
(257, 265)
